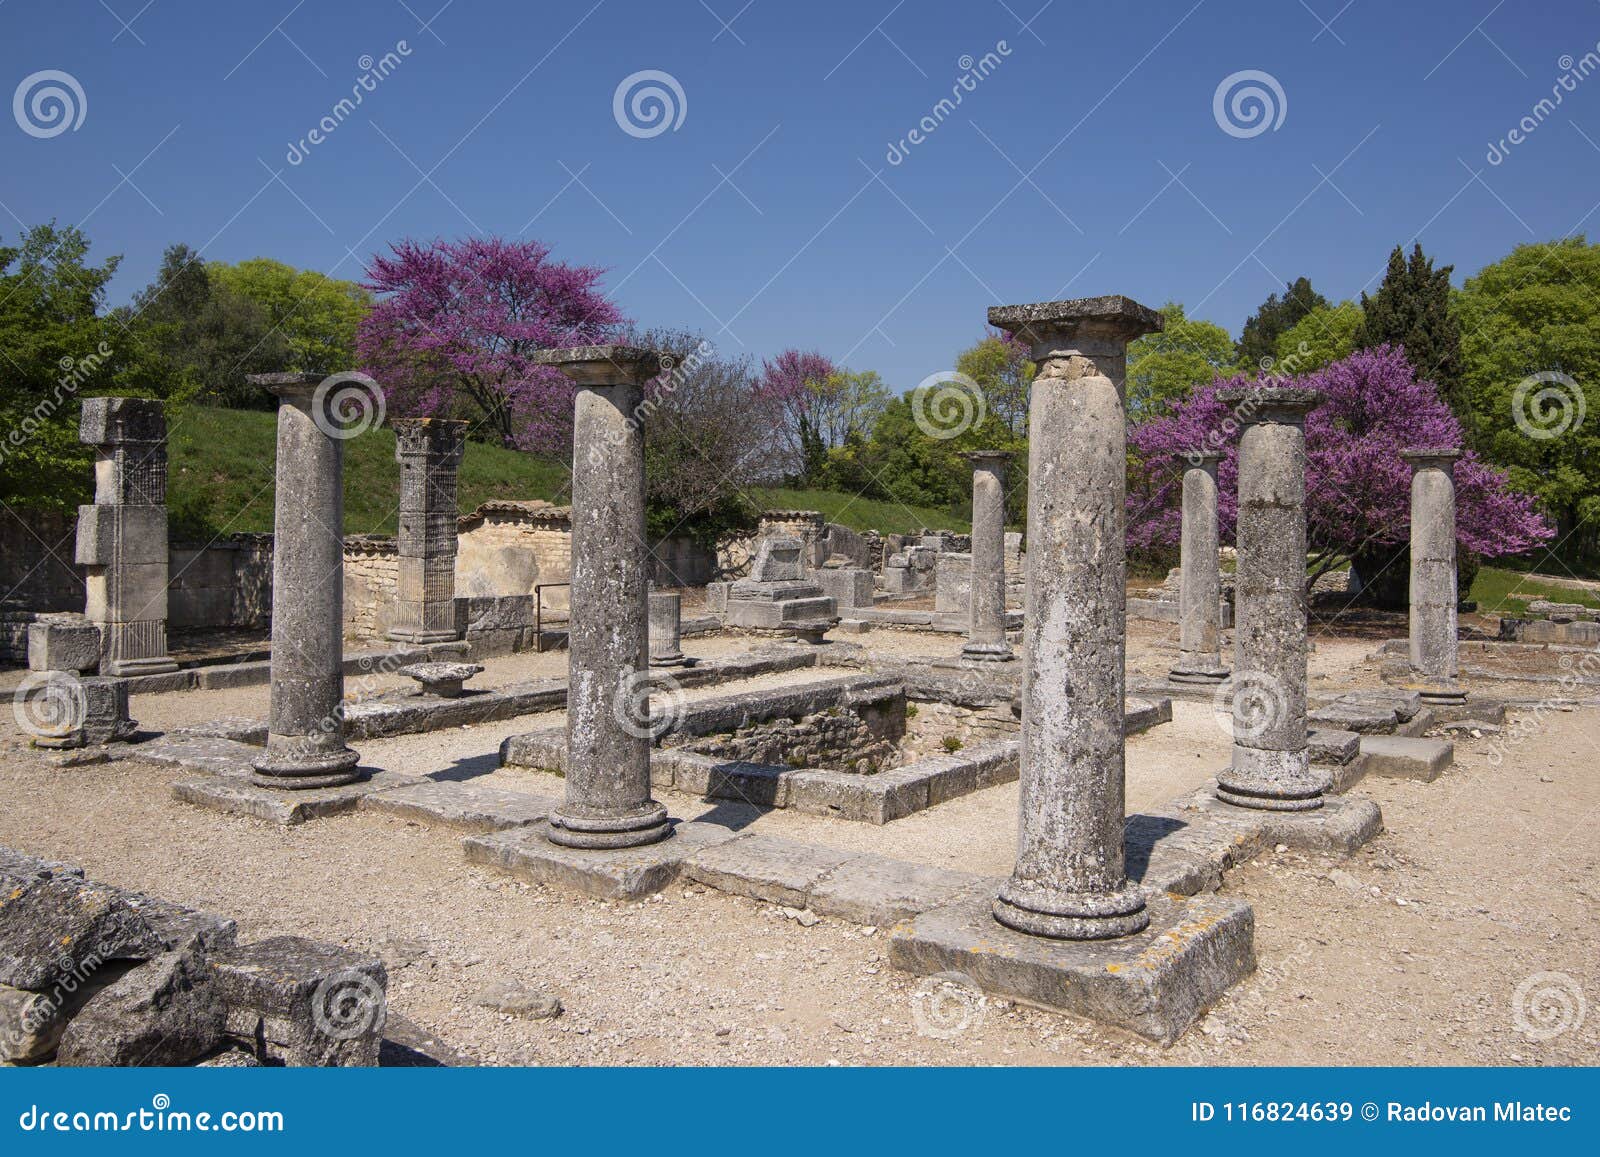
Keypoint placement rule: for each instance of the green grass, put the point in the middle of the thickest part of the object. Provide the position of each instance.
(220, 475)
(221, 471)
(1508, 592)
(862, 513)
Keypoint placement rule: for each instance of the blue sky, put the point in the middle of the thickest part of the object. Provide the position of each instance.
(1088, 160)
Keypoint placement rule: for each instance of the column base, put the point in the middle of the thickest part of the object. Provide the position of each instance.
(647, 826)
(1071, 915)
(676, 659)
(418, 635)
(153, 665)
(302, 770)
(1271, 780)
(988, 652)
(1199, 672)
(1442, 695)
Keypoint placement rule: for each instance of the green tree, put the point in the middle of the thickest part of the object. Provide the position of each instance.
(1259, 338)
(1322, 336)
(202, 336)
(1164, 367)
(1535, 312)
(316, 314)
(1412, 309)
(999, 364)
(55, 348)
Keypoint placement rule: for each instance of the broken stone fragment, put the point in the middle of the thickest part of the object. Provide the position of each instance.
(164, 1012)
(295, 1001)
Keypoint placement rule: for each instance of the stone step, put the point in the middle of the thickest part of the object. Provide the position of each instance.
(1407, 757)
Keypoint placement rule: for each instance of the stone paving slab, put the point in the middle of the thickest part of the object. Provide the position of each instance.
(218, 756)
(611, 874)
(1330, 746)
(1407, 757)
(1155, 983)
(1187, 846)
(462, 805)
(232, 795)
(766, 868)
(878, 891)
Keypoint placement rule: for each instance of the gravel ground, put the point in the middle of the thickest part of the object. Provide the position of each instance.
(1412, 951)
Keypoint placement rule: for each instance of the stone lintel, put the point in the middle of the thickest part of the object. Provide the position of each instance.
(603, 365)
(1259, 404)
(1421, 458)
(1202, 457)
(1156, 983)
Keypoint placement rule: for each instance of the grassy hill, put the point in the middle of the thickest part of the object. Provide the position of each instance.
(220, 481)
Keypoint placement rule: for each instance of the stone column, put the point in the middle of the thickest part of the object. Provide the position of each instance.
(608, 802)
(1070, 880)
(1433, 574)
(666, 629)
(305, 731)
(1200, 596)
(1271, 767)
(122, 538)
(986, 633)
(429, 451)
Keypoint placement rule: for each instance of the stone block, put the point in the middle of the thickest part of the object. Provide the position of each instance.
(952, 582)
(240, 797)
(297, 1002)
(1156, 983)
(1407, 757)
(111, 421)
(605, 874)
(116, 536)
(1327, 745)
(874, 799)
(848, 587)
(878, 891)
(717, 597)
(763, 868)
(63, 643)
(53, 925)
(779, 558)
(462, 805)
(164, 1012)
(32, 1023)
(127, 593)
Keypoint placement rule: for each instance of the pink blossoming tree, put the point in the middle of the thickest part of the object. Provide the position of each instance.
(1358, 488)
(459, 320)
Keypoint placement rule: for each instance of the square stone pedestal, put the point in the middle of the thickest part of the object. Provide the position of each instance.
(1156, 983)
(237, 795)
(604, 873)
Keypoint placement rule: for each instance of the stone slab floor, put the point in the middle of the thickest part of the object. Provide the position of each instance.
(1411, 952)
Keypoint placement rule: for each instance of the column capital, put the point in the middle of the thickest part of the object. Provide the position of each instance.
(1276, 405)
(988, 457)
(1431, 457)
(437, 439)
(604, 365)
(118, 421)
(292, 386)
(1203, 459)
(1083, 325)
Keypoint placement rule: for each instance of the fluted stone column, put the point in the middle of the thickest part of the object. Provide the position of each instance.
(608, 802)
(305, 731)
(1433, 574)
(666, 629)
(429, 451)
(986, 633)
(1070, 880)
(122, 538)
(1271, 766)
(1200, 595)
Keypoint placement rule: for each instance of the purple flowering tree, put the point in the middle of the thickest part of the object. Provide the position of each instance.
(1358, 488)
(792, 384)
(459, 320)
